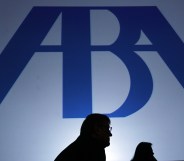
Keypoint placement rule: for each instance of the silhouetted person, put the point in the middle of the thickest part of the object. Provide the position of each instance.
(144, 152)
(90, 145)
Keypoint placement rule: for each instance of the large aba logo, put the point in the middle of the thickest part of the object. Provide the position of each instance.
(77, 48)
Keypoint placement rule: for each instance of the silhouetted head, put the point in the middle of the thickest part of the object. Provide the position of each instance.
(98, 127)
(144, 152)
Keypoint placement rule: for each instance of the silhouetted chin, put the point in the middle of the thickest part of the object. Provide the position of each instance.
(106, 144)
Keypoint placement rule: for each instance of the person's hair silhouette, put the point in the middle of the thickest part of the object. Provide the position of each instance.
(94, 136)
(144, 152)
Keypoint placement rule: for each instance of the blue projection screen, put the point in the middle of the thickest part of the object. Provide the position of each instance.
(60, 61)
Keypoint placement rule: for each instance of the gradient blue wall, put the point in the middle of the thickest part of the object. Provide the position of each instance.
(32, 127)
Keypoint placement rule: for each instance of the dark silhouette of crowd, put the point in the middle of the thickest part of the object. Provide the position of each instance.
(94, 137)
